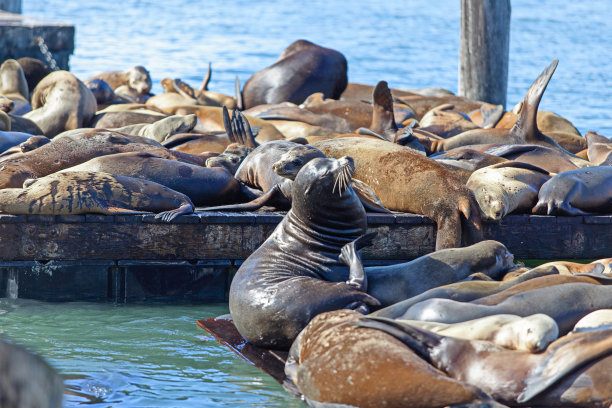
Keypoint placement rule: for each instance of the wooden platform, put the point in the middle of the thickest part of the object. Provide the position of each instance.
(19, 38)
(136, 257)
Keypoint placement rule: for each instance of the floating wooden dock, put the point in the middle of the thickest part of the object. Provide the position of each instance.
(19, 37)
(128, 258)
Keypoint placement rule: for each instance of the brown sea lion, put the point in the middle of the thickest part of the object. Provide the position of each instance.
(512, 376)
(525, 130)
(92, 192)
(74, 149)
(360, 92)
(337, 364)
(295, 275)
(406, 181)
(577, 192)
(508, 187)
(302, 69)
(137, 78)
(204, 186)
(13, 85)
(61, 102)
(445, 121)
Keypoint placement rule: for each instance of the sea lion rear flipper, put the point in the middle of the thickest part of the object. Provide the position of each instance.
(206, 80)
(491, 115)
(565, 356)
(350, 257)
(471, 224)
(383, 118)
(238, 128)
(520, 165)
(265, 198)
(526, 126)
(368, 198)
(370, 132)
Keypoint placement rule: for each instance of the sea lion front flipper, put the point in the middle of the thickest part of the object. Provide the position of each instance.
(383, 118)
(350, 257)
(265, 198)
(564, 356)
(491, 114)
(241, 129)
(368, 197)
(168, 216)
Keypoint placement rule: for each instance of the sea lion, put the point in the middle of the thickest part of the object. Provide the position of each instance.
(204, 186)
(137, 78)
(446, 122)
(581, 299)
(11, 139)
(90, 192)
(465, 161)
(531, 333)
(598, 320)
(337, 364)
(162, 129)
(517, 377)
(302, 69)
(439, 268)
(102, 91)
(13, 85)
(599, 149)
(525, 130)
(34, 70)
(361, 92)
(73, 149)
(409, 182)
(61, 102)
(231, 158)
(577, 192)
(28, 380)
(113, 120)
(300, 259)
(549, 159)
(506, 188)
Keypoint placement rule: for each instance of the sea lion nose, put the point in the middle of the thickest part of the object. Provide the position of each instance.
(276, 166)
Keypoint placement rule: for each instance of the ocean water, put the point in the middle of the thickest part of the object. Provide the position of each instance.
(154, 355)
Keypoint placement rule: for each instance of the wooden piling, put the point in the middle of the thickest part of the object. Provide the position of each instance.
(484, 50)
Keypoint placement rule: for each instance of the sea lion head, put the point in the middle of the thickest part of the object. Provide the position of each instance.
(532, 333)
(323, 198)
(101, 90)
(294, 159)
(493, 206)
(140, 80)
(12, 175)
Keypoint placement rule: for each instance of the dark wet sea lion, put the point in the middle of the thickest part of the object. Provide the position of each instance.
(91, 192)
(61, 102)
(577, 192)
(549, 159)
(295, 274)
(406, 181)
(34, 70)
(337, 364)
(512, 376)
(302, 69)
(204, 186)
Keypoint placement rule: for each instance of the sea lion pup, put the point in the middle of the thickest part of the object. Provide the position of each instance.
(83, 192)
(512, 376)
(61, 102)
(204, 186)
(302, 69)
(577, 192)
(76, 148)
(13, 85)
(506, 188)
(337, 364)
(27, 379)
(137, 78)
(599, 149)
(525, 130)
(409, 182)
(441, 267)
(531, 333)
(295, 275)
(446, 122)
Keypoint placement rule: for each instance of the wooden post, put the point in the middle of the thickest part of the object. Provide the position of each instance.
(12, 6)
(484, 50)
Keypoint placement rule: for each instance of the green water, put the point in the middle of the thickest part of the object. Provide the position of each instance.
(138, 355)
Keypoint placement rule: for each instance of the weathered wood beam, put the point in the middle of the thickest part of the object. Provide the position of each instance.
(484, 50)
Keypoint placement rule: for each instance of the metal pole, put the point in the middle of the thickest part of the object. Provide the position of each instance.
(484, 50)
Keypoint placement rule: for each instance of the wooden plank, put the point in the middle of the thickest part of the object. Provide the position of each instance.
(484, 50)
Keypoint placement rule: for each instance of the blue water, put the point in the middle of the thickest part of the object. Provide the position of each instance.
(154, 356)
